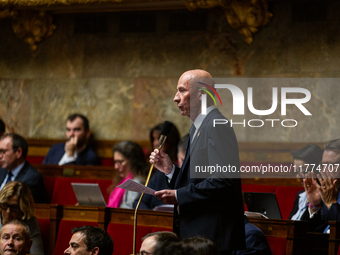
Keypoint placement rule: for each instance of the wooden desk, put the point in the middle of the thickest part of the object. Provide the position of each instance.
(144, 218)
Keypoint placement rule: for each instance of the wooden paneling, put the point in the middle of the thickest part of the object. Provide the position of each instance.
(249, 152)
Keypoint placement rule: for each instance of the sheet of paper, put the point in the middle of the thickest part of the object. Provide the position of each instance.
(134, 186)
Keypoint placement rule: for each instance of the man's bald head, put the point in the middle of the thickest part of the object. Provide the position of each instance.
(194, 74)
(189, 96)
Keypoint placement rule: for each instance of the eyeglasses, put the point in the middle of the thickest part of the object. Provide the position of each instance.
(144, 253)
(119, 163)
(14, 208)
(2, 152)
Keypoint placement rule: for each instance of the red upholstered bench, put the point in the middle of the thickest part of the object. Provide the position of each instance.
(122, 235)
(44, 225)
(33, 160)
(63, 193)
(258, 188)
(277, 245)
(285, 197)
(65, 234)
(49, 186)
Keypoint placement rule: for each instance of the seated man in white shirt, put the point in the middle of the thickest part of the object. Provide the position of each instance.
(75, 150)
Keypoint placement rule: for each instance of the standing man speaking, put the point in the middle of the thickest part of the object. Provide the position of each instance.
(206, 204)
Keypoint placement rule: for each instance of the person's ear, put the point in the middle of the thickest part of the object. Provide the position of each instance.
(95, 251)
(28, 246)
(18, 153)
(88, 133)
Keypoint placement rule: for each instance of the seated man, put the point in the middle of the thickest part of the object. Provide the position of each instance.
(156, 240)
(90, 240)
(322, 190)
(15, 238)
(13, 152)
(76, 150)
(256, 241)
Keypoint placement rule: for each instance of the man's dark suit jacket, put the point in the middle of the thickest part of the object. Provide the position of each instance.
(86, 158)
(211, 207)
(29, 175)
(256, 241)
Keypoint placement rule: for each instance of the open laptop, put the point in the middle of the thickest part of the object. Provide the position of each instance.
(265, 203)
(88, 194)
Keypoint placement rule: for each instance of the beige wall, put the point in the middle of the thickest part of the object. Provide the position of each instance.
(125, 83)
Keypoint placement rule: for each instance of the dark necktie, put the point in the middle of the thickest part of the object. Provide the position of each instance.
(191, 134)
(9, 177)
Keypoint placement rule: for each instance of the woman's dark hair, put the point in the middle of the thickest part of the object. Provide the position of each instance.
(134, 154)
(312, 154)
(171, 143)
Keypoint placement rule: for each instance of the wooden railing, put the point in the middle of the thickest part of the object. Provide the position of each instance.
(298, 240)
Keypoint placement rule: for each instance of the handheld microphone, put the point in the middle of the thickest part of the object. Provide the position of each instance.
(166, 129)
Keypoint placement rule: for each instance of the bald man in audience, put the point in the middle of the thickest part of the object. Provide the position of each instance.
(76, 150)
(156, 240)
(15, 238)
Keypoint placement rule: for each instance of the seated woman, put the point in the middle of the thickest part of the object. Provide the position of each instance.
(158, 179)
(16, 203)
(130, 161)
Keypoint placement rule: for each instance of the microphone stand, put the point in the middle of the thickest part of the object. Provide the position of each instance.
(161, 142)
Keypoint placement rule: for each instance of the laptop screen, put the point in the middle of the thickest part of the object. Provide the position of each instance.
(265, 203)
(88, 194)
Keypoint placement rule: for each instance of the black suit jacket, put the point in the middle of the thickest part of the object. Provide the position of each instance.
(256, 241)
(296, 204)
(211, 207)
(29, 175)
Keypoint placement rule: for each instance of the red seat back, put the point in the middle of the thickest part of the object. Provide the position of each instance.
(63, 193)
(49, 186)
(122, 235)
(258, 188)
(44, 225)
(277, 245)
(65, 234)
(285, 197)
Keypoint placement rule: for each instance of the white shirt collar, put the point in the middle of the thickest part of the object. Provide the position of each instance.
(17, 170)
(199, 120)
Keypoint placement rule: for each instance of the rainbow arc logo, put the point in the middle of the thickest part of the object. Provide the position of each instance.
(213, 90)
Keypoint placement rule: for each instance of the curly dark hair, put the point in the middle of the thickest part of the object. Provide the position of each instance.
(134, 154)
